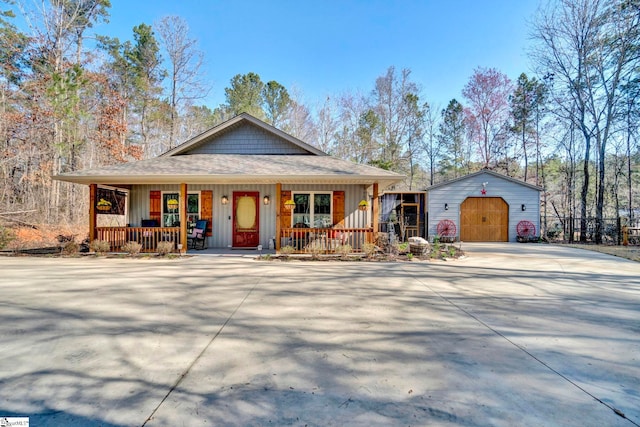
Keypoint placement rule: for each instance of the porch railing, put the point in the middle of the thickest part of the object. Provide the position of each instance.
(148, 237)
(325, 240)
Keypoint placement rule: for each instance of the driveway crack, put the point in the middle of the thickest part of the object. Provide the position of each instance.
(523, 349)
(199, 356)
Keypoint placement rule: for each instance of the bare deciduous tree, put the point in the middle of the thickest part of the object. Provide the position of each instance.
(185, 62)
(393, 104)
(431, 145)
(327, 126)
(590, 46)
(487, 94)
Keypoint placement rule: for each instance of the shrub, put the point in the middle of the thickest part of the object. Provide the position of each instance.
(344, 250)
(436, 245)
(164, 248)
(410, 256)
(316, 248)
(452, 251)
(132, 248)
(369, 249)
(382, 240)
(554, 231)
(392, 248)
(287, 250)
(6, 237)
(70, 248)
(100, 246)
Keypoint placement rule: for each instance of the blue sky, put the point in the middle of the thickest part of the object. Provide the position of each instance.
(329, 47)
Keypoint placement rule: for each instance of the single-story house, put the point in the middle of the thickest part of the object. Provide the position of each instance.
(483, 207)
(252, 183)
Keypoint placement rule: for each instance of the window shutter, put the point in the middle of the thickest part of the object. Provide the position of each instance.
(285, 214)
(155, 205)
(338, 208)
(206, 209)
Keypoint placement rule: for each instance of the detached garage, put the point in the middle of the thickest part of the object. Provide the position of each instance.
(483, 207)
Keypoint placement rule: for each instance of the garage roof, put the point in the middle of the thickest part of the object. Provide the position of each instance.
(485, 172)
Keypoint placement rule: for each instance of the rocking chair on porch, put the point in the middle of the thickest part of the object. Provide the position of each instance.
(197, 238)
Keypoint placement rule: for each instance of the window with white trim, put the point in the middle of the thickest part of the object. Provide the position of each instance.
(171, 211)
(313, 209)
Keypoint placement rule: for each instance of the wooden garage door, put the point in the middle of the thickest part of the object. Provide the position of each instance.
(484, 219)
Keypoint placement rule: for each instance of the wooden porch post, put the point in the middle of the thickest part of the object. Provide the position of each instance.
(374, 210)
(278, 219)
(183, 217)
(93, 192)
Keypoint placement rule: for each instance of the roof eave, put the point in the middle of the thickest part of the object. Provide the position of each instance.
(384, 180)
(484, 171)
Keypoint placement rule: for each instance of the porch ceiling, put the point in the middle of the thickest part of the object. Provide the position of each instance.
(236, 169)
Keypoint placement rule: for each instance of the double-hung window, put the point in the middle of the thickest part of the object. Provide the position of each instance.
(171, 211)
(313, 209)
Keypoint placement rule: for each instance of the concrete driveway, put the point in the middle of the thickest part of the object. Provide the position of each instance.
(527, 335)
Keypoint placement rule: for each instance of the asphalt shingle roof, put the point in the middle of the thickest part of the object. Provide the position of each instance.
(235, 168)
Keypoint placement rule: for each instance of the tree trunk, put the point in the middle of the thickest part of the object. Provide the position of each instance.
(629, 169)
(538, 171)
(174, 106)
(524, 148)
(585, 187)
(600, 198)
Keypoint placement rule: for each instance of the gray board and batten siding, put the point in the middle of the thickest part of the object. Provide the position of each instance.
(247, 139)
(453, 193)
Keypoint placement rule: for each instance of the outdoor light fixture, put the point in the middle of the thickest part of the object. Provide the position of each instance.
(224, 200)
(446, 206)
(266, 200)
(523, 207)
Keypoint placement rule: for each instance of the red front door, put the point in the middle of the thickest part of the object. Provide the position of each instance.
(246, 219)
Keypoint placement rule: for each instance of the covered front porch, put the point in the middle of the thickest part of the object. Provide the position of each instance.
(325, 240)
(148, 237)
(302, 240)
(280, 226)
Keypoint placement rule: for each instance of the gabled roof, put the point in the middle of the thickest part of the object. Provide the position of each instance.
(299, 164)
(236, 169)
(485, 172)
(211, 134)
